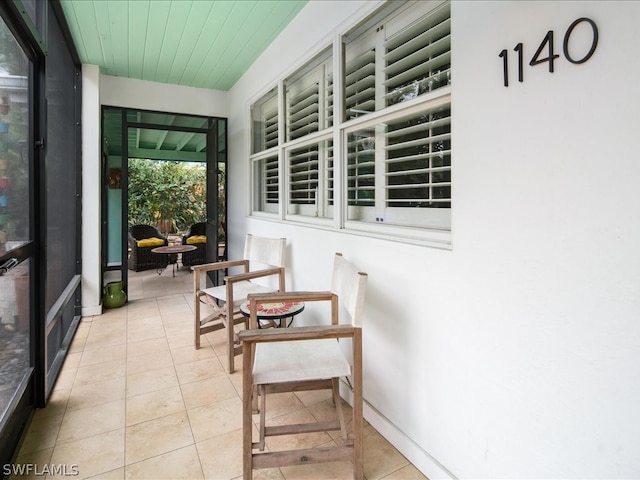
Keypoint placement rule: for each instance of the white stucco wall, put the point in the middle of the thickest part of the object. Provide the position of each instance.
(516, 354)
(145, 95)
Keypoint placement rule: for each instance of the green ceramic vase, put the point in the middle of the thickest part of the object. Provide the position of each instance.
(114, 296)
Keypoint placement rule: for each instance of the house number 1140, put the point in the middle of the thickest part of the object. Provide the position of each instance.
(551, 55)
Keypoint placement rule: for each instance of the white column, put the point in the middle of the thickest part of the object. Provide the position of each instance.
(91, 292)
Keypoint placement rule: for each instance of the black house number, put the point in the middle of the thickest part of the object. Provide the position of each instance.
(546, 51)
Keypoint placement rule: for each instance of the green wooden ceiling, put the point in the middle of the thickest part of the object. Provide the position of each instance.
(196, 43)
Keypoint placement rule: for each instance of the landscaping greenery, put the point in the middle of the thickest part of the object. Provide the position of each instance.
(171, 195)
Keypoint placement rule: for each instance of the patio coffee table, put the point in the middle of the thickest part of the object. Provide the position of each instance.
(172, 250)
(270, 313)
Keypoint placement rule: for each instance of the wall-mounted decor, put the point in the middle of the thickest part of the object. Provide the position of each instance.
(115, 177)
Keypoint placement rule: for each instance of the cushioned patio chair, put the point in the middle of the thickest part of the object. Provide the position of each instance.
(196, 236)
(143, 239)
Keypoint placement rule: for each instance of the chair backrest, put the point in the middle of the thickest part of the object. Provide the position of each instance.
(199, 228)
(269, 251)
(142, 231)
(350, 286)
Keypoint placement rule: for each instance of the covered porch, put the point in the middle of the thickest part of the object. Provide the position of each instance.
(135, 400)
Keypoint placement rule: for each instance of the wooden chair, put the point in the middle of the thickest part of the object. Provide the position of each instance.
(263, 257)
(306, 358)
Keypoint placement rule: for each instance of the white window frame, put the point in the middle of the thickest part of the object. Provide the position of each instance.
(379, 215)
(261, 194)
(322, 210)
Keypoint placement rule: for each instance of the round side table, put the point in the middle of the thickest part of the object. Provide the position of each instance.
(274, 314)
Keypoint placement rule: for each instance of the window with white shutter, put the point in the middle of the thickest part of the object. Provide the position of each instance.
(360, 91)
(303, 175)
(399, 164)
(309, 111)
(264, 149)
(264, 116)
(310, 179)
(418, 58)
(308, 93)
(361, 167)
(393, 149)
(399, 169)
(266, 194)
(418, 160)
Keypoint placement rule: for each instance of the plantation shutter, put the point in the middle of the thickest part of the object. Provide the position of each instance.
(264, 114)
(303, 176)
(361, 168)
(269, 178)
(418, 160)
(418, 59)
(271, 128)
(303, 109)
(360, 91)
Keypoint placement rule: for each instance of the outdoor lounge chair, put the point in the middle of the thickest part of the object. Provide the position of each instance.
(143, 239)
(196, 236)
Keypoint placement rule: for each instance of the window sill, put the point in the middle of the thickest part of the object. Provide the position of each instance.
(432, 238)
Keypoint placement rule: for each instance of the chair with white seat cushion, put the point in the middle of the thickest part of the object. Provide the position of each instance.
(306, 358)
(263, 258)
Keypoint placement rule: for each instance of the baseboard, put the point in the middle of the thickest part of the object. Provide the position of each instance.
(421, 459)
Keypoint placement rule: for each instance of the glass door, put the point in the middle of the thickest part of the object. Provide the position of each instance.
(216, 194)
(164, 170)
(16, 240)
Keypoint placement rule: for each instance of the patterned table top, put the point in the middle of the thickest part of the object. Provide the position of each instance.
(267, 311)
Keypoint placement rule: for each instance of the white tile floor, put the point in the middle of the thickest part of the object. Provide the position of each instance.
(136, 400)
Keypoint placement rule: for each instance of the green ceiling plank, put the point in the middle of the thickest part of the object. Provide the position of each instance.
(192, 33)
(279, 16)
(119, 17)
(230, 33)
(74, 26)
(275, 17)
(218, 35)
(85, 30)
(264, 25)
(178, 14)
(138, 26)
(202, 43)
(258, 34)
(159, 19)
(104, 33)
(209, 35)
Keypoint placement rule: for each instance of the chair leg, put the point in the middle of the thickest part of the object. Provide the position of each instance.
(263, 408)
(358, 449)
(254, 401)
(196, 309)
(247, 430)
(231, 355)
(337, 400)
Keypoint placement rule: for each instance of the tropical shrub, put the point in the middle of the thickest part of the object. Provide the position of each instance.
(169, 194)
